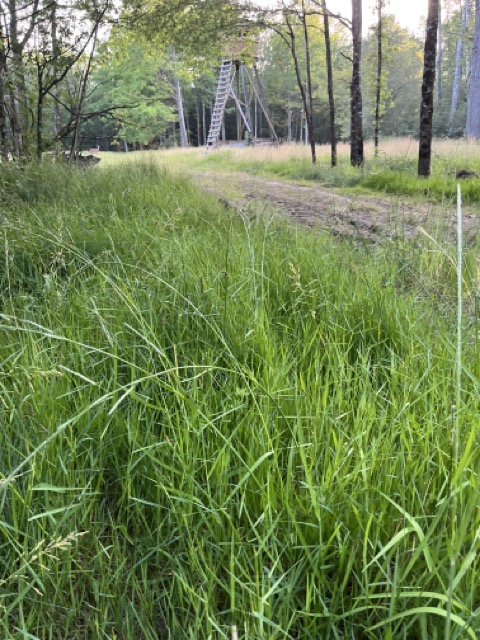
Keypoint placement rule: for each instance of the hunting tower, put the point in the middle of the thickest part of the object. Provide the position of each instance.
(240, 55)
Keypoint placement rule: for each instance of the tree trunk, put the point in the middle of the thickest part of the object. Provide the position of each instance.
(81, 100)
(331, 98)
(289, 120)
(15, 124)
(3, 96)
(57, 121)
(301, 124)
(179, 102)
(428, 86)
(39, 111)
(378, 92)
(458, 67)
(199, 124)
(19, 86)
(204, 123)
(310, 113)
(305, 98)
(356, 137)
(438, 72)
(473, 102)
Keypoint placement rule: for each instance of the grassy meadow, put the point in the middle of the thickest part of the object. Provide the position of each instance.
(221, 425)
(392, 172)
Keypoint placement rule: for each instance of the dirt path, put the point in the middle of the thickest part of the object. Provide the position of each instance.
(362, 217)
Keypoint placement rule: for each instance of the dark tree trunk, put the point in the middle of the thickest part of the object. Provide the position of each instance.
(331, 98)
(356, 137)
(75, 149)
(40, 111)
(57, 121)
(378, 92)
(428, 87)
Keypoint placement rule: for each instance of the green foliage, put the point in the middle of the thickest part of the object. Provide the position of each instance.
(195, 27)
(279, 79)
(436, 188)
(402, 75)
(134, 79)
(211, 419)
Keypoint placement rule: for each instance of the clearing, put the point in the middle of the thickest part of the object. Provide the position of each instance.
(282, 180)
(360, 216)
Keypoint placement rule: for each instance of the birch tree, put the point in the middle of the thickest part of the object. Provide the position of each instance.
(465, 13)
(438, 64)
(473, 99)
(378, 82)
(179, 101)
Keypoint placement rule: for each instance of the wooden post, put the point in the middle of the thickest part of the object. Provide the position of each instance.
(239, 120)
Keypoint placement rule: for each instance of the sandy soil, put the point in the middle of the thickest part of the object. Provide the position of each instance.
(362, 217)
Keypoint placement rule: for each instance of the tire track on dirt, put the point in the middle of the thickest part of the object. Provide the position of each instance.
(360, 217)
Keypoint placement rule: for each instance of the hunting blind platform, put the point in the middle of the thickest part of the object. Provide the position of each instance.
(239, 54)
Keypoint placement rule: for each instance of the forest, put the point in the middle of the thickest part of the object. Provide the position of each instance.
(87, 74)
(239, 320)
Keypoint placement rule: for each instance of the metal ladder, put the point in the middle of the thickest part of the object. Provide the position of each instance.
(223, 91)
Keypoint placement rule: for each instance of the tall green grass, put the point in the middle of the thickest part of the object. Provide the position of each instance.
(215, 419)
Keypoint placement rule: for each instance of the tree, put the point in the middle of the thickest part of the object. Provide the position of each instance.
(331, 97)
(465, 13)
(131, 91)
(54, 56)
(428, 86)
(438, 65)
(356, 107)
(179, 100)
(378, 82)
(290, 38)
(473, 101)
(308, 69)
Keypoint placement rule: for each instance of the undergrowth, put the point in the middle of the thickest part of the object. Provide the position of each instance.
(212, 419)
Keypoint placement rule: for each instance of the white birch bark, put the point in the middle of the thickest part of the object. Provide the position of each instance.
(438, 72)
(179, 102)
(458, 66)
(473, 100)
